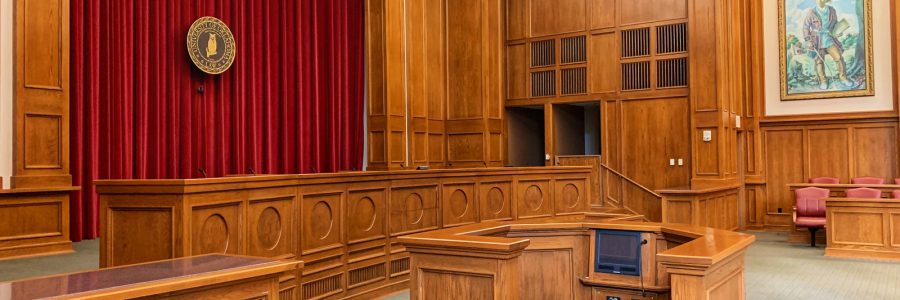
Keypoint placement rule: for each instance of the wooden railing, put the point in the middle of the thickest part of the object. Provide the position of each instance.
(622, 191)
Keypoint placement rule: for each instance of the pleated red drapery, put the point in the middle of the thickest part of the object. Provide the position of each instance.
(291, 103)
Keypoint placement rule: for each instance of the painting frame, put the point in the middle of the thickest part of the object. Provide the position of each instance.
(869, 76)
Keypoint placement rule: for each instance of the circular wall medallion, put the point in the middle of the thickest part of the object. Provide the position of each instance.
(211, 45)
(364, 214)
(496, 201)
(459, 203)
(534, 198)
(322, 220)
(268, 228)
(214, 236)
(570, 195)
(414, 208)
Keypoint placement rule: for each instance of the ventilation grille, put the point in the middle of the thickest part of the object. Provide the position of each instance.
(399, 266)
(636, 76)
(574, 81)
(542, 53)
(286, 294)
(671, 73)
(365, 275)
(572, 50)
(543, 84)
(636, 42)
(671, 38)
(322, 287)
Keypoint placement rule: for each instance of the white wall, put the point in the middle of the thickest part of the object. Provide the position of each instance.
(6, 90)
(883, 99)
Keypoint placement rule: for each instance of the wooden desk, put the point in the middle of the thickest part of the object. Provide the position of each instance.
(34, 222)
(801, 235)
(551, 259)
(200, 277)
(863, 228)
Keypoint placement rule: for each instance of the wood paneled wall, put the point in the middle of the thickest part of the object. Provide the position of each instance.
(793, 153)
(344, 226)
(41, 112)
(435, 83)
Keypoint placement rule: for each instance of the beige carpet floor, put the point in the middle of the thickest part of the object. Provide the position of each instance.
(775, 270)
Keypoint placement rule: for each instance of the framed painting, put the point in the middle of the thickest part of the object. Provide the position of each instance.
(826, 49)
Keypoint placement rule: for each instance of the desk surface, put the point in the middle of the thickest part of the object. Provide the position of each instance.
(155, 274)
(708, 246)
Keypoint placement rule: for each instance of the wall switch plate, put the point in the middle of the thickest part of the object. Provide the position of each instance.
(680, 161)
(671, 161)
(737, 122)
(707, 135)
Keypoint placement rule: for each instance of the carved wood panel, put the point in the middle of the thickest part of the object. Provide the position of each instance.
(216, 229)
(534, 198)
(270, 233)
(320, 221)
(459, 204)
(495, 200)
(413, 209)
(137, 243)
(366, 214)
(572, 196)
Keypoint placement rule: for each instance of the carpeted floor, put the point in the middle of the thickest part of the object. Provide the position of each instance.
(775, 270)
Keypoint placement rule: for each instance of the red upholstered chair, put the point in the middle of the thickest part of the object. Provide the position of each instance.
(809, 211)
(867, 180)
(896, 194)
(896, 180)
(825, 180)
(864, 193)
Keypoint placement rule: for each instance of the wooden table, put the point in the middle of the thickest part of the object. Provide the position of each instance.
(199, 277)
(863, 228)
(552, 259)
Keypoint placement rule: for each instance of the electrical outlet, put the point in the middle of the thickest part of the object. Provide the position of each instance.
(737, 122)
(707, 136)
(671, 161)
(547, 157)
(681, 162)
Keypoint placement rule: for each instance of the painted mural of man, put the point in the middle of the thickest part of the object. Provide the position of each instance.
(818, 33)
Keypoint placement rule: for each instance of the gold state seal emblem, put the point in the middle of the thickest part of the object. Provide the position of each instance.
(211, 45)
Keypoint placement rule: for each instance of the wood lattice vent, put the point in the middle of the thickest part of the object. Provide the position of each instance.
(672, 73)
(543, 83)
(573, 81)
(573, 50)
(543, 53)
(636, 42)
(636, 76)
(671, 38)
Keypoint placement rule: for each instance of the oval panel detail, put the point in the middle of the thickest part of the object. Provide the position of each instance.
(214, 235)
(268, 228)
(321, 220)
(571, 196)
(495, 200)
(414, 208)
(364, 215)
(459, 203)
(534, 198)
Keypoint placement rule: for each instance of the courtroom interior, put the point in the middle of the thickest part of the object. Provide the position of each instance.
(450, 149)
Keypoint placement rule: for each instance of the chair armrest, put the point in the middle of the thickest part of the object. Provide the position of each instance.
(794, 214)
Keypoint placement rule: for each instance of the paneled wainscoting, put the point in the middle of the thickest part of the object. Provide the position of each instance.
(344, 226)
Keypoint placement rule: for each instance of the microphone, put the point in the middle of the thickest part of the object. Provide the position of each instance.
(203, 171)
(641, 272)
(252, 172)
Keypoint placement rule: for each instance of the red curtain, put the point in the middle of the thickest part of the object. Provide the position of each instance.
(291, 103)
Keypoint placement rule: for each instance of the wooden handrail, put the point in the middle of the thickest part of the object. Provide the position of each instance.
(631, 181)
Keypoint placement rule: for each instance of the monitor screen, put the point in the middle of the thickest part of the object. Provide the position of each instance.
(618, 252)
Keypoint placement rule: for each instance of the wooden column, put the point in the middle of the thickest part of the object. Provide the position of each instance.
(717, 90)
(41, 114)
